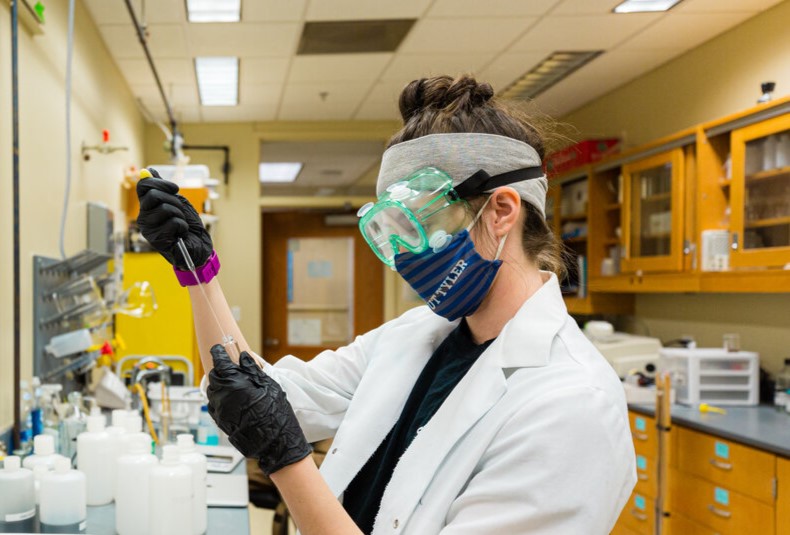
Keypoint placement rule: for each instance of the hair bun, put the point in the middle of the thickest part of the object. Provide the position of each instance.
(443, 93)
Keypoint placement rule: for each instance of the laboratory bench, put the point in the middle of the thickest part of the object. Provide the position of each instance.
(721, 473)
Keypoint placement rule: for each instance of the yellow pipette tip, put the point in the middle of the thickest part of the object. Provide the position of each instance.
(145, 173)
(704, 407)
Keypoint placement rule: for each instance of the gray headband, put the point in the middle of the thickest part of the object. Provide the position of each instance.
(461, 156)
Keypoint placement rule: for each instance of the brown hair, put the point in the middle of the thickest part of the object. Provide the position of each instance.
(443, 104)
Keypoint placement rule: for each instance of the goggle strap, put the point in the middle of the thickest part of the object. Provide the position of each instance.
(481, 181)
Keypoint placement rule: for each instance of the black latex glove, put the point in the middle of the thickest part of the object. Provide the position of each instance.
(252, 409)
(166, 216)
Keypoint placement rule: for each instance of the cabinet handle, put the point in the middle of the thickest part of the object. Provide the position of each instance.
(642, 477)
(718, 512)
(734, 245)
(719, 464)
(639, 515)
(640, 436)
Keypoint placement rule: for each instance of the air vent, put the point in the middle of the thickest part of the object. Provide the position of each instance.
(557, 66)
(353, 36)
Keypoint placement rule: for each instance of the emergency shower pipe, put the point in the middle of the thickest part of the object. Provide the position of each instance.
(15, 195)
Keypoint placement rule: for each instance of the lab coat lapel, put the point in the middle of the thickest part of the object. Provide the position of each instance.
(392, 375)
(474, 396)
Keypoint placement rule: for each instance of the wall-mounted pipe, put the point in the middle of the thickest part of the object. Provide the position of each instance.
(15, 194)
(223, 148)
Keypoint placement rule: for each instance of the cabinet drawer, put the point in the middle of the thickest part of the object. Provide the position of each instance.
(678, 524)
(739, 468)
(717, 507)
(645, 434)
(639, 514)
(783, 497)
(622, 529)
(646, 476)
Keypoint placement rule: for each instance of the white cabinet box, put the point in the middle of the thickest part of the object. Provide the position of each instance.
(713, 375)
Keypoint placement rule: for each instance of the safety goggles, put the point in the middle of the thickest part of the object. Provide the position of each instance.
(416, 213)
(425, 210)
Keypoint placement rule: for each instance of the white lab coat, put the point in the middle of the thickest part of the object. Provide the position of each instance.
(534, 439)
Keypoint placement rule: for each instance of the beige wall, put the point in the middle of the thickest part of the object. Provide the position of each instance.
(718, 78)
(101, 99)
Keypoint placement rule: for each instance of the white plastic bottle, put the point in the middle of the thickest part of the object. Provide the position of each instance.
(63, 495)
(170, 496)
(94, 459)
(133, 422)
(17, 504)
(133, 469)
(117, 433)
(43, 458)
(197, 462)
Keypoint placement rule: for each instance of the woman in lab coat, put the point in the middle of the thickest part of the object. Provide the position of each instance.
(485, 411)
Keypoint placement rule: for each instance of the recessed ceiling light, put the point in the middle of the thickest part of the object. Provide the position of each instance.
(548, 72)
(641, 6)
(213, 10)
(279, 171)
(218, 80)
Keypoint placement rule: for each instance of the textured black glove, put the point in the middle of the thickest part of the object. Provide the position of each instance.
(252, 409)
(166, 216)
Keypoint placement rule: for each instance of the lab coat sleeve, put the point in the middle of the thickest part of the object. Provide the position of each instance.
(321, 389)
(563, 464)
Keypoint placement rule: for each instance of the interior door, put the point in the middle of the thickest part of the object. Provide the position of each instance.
(322, 285)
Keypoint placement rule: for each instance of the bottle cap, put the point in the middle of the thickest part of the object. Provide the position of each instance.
(12, 463)
(170, 454)
(204, 408)
(96, 423)
(118, 417)
(186, 442)
(43, 445)
(133, 423)
(62, 465)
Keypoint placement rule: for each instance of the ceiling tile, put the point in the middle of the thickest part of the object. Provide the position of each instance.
(407, 67)
(277, 39)
(683, 32)
(163, 11)
(337, 67)
(381, 103)
(121, 41)
(164, 41)
(263, 70)
(585, 7)
(229, 114)
(356, 10)
(272, 10)
(490, 8)
(595, 32)
(624, 64)
(714, 6)
(188, 114)
(260, 96)
(104, 12)
(171, 71)
(572, 93)
(303, 101)
(463, 35)
(508, 67)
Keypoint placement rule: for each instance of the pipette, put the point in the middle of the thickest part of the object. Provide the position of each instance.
(228, 342)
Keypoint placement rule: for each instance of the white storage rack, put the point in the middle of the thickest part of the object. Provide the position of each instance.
(713, 375)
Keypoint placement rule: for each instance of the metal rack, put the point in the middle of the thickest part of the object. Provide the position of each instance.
(51, 276)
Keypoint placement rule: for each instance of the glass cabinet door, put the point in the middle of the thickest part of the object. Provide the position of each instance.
(761, 194)
(653, 216)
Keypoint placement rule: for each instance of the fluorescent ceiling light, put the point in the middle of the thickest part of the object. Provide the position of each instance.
(218, 80)
(548, 72)
(279, 171)
(214, 10)
(640, 6)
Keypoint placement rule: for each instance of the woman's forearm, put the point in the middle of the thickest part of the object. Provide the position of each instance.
(315, 509)
(206, 329)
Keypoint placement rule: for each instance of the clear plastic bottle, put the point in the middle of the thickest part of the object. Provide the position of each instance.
(25, 417)
(72, 425)
(48, 400)
(17, 502)
(207, 433)
(781, 385)
(36, 418)
(133, 470)
(197, 462)
(63, 497)
(94, 458)
(170, 496)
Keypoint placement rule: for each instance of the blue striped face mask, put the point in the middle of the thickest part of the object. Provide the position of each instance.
(452, 281)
